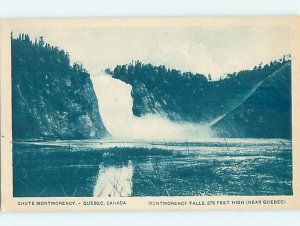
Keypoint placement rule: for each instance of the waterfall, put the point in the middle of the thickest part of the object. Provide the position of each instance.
(115, 106)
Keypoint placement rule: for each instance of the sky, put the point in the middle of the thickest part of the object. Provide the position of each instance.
(206, 50)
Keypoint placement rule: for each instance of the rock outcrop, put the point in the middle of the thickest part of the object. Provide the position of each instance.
(249, 103)
(50, 98)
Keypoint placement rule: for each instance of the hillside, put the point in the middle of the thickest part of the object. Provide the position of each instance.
(266, 113)
(51, 99)
(189, 97)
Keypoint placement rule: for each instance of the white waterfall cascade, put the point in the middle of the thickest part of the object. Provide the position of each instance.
(115, 106)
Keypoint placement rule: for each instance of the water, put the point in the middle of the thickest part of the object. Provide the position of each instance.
(114, 181)
(146, 156)
(152, 168)
(115, 105)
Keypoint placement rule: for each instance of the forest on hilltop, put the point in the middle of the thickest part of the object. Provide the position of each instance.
(51, 99)
(194, 97)
(54, 99)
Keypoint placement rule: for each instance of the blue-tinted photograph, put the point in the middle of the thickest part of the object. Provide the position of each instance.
(151, 111)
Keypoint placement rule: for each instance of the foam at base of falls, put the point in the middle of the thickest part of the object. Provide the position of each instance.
(115, 106)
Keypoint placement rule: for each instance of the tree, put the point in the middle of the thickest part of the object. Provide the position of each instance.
(41, 41)
(108, 71)
(209, 77)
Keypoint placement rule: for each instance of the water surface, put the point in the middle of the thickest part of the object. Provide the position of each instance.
(152, 168)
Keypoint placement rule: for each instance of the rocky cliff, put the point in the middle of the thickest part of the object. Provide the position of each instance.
(50, 98)
(230, 105)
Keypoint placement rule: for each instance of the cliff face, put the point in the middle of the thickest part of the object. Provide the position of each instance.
(266, 113)
(50, 98)
(250, 99)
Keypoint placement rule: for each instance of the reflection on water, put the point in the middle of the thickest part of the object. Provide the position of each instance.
(114, 181)
(137, 168)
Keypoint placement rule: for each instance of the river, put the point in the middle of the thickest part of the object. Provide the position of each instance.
(150, 156)
(152, 168)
